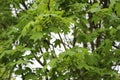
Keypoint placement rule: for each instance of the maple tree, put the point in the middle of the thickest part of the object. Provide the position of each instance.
(70, 39)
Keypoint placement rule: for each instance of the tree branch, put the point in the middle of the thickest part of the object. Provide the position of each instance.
(38, 59)
(75, 36)
(23, 78)
(62, 41)
(23, 3)
(67, 42)
(48, 5)
(10, 74)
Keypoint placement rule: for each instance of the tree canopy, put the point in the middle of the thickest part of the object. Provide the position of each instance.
(69, 39)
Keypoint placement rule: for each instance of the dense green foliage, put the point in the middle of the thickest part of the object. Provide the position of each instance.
(70, 39)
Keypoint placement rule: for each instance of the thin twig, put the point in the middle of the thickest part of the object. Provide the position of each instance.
(67, 41)
(62, 41)
(38, 59)
(10, 74)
